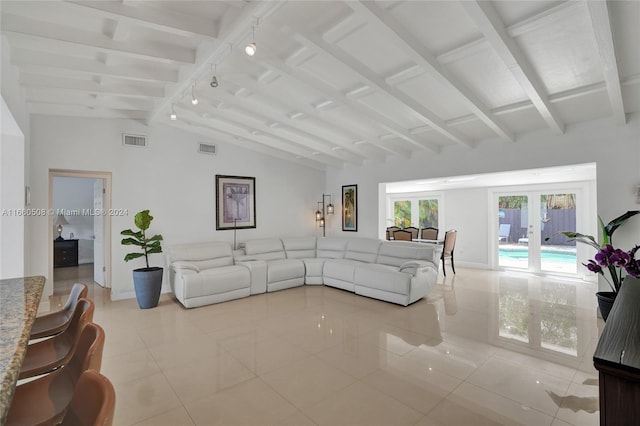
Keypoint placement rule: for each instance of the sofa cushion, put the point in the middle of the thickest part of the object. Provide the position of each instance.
(284, 269)
(331, 248)
(203, 255)
(382, 277)
(363, 250)
(396, 253)
(340, 269)
(265, 249)
(297, 248)
(216, 280)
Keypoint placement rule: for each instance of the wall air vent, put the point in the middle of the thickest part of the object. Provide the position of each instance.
(205, 148)
(134, 140)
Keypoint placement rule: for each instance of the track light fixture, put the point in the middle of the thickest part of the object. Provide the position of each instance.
(194, 100)
(214, 79)
(251, 48)
(173, 116)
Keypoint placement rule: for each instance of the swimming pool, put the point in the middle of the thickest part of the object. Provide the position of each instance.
(548, 255)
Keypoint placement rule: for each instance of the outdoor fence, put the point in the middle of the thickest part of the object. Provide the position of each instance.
(556, 220)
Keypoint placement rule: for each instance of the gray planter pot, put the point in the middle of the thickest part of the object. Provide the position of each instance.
(148, 284)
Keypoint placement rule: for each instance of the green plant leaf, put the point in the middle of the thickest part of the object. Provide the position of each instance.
(580, 238)
(618, 221)
(143, 219)
(131, 256)
(131, 241)
(155, 238)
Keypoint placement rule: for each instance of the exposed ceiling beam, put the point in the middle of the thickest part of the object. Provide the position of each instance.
(383, 22)
(336, 96)
(241, 131)
(487, 20)
(286, 126)
(63, 97)
(47, 82)
(43, 60)
(258, 126)
(45, 30)
(371, 79)
(273, 95)
(604, 38)
(218, 136)
(142, 14)
(82, 111)
(235, 33)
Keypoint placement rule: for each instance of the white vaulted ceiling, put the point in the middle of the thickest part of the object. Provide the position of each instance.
(332, 83)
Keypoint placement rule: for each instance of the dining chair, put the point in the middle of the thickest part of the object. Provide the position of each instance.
(447, 251)
(49, 354)
(46, 399)
(93, 403)
(55, 322)
(402, 235)
(390, 231)
(414, 231)
(429, 233)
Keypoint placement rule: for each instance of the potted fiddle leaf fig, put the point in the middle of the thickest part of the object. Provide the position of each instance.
(146, 281)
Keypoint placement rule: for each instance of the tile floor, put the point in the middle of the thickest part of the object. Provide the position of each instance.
(485, 348)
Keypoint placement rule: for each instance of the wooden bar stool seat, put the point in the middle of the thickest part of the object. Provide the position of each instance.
(45, 400)
(49, 354)
(55, 322)
(94, 401)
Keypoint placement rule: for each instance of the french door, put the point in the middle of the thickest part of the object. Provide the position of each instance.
(417, 210)
(527, 225)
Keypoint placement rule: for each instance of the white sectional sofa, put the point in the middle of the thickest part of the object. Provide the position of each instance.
(393, 271)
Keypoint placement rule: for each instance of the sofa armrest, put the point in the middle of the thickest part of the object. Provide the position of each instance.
(258, 271)
(415, 267)
(182, 265)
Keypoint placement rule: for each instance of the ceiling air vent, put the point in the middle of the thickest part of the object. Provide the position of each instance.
(205, 148)
(134, 140)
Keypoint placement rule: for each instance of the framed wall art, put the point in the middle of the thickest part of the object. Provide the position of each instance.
(350, 208)
(235, 202)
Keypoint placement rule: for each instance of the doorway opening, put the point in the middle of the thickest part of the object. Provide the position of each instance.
(80, 230)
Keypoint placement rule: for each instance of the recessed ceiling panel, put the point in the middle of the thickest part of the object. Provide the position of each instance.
(430, 93)
(486, 75)
(512, 12)
(389, 107)
(584, 108)
(371, 48)
(438, 25)
(331, 72)
(523, 120)
(565, 54)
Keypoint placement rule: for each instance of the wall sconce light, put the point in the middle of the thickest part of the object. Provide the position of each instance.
(173, 115)
(60, 220)
(194, 100)
(251, 48)
(324, 209)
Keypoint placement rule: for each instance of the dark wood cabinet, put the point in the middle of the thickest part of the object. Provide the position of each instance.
(617, 359)
(65, 253)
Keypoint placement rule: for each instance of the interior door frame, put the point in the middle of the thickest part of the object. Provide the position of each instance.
(586, 214)
(106, 177)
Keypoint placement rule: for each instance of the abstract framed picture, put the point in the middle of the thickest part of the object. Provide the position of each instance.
(350, 208)
(235, 202)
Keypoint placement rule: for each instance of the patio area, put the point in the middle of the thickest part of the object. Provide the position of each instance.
(554, 258)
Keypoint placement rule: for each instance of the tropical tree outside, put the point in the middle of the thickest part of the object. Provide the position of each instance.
(428, 216)
(402, 214)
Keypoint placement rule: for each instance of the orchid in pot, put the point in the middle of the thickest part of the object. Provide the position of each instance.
(617, 262)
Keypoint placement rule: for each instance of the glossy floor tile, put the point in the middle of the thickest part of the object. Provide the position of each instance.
(485, 348)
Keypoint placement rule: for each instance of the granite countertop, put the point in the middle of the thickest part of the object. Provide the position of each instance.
(19, 300)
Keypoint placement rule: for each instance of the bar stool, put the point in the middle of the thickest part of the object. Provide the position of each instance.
(45, 400)
(50, 354)
(94, 401)
(55, 322)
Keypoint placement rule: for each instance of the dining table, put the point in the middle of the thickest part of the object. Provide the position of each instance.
(19, 301)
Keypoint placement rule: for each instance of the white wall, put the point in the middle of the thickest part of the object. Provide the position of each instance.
(615, 150)
(12, 206)
(171, 179)
(14, 125)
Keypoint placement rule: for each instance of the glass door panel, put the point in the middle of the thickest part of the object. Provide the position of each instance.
(513, 231)
(428, 216)
(402, 213)
(557, 213)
